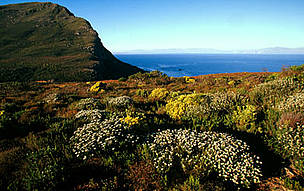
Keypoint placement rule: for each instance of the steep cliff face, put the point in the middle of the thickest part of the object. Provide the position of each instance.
(44, 41)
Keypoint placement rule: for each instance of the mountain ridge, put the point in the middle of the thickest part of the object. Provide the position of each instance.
(44, 41)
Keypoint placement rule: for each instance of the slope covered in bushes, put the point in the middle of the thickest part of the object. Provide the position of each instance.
(152, 132)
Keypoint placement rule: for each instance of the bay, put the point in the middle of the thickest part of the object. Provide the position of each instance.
(178, 65)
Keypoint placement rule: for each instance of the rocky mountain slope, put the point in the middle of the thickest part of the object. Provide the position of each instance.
(45, 41)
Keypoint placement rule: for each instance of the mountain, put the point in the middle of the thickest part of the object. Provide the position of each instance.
(274, 50)
(281, 50)
(45, 41)
(174, 51)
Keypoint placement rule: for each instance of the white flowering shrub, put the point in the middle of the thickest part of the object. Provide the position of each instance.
(91, 115)
(120, 102)
(294, 102)
(225, 101)
(292, 141)
(210, 151)
(52, 98)
(88, 103)
(100, 137)
(279, 87)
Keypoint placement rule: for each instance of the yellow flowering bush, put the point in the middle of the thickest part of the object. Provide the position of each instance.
(231, 83)
(159, 94)
(174, 94)
(183, 105)
(189, 80)
(244, 118)
(132, 118)
(130, 121)
(1, 112)
(97, 87)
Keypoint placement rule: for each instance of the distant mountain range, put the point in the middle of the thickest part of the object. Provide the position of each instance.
(273, 50)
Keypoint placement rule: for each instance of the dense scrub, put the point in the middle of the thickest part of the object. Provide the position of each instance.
(153, 132)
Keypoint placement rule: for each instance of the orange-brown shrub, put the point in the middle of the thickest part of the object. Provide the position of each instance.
(291, 119)
(143, 176)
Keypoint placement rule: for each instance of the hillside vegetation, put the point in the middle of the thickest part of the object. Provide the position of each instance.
(45, 41)
(152, 132)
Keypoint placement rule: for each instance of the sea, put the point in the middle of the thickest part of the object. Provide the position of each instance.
(178, 65)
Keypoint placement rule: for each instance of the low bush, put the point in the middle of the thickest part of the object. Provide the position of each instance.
(293, 102)
(91, 115)
(142, 93)
(291, 141)
(98, 87)
(185, 106)
(88, 103)
(159, 94)
(102, 136)
(122, 79)
(132, 119)
(272, 91)
(204, 153)
(143, 176)
(244, 118)
(121, 102)
(45, 169)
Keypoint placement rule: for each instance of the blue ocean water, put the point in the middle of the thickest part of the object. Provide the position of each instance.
(178, 65)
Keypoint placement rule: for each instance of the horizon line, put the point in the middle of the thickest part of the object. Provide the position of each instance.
(269, 50)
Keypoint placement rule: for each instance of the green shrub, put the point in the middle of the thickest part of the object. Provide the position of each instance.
(244, 119)
(122, 79)
(142, 92)
(293, 184)
(88, 104)
(272, 91)
(44, 170)
(155, 77)
(272, 77)
(192, 183)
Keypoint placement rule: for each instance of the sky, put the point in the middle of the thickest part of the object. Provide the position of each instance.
(219, 24)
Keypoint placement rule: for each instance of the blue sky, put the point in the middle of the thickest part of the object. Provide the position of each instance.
(219, 24)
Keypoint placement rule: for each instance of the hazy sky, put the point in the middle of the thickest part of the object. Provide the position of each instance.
(219, 24)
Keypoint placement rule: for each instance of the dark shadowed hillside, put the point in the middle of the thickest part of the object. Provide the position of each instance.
(45, 41)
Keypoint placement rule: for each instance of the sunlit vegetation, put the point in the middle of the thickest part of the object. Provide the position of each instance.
(154, 132)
